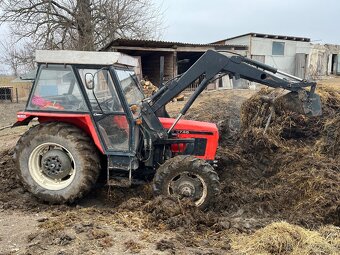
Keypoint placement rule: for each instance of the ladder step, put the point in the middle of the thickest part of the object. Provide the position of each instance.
(119, 182)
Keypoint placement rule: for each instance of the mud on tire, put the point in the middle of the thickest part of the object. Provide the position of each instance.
(72, 142)
(197, 169)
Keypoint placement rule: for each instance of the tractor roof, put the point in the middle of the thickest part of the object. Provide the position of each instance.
(84, 57)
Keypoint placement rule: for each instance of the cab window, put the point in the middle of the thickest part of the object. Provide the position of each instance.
(104, 96)
(131, 90)
(56, 89)
(130, 86)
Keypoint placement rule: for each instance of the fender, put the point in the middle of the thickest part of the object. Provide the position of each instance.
(82, 121)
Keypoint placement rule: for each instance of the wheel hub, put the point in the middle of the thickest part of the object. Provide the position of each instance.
(186, 189)
(187, 185)
(56, 164)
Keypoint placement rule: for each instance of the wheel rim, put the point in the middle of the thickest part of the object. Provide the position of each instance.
(189, 185)
(52, 166)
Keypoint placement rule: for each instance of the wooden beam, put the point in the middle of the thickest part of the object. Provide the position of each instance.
(175, 66)
(179, 49)
(142, 49)
(194, 49)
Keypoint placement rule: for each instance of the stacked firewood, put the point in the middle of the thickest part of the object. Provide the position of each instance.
(149, 89)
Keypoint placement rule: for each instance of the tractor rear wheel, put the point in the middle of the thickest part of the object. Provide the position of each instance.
(57, 162)
(187, 177)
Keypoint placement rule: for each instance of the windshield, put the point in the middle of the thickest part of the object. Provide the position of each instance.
(130, 86)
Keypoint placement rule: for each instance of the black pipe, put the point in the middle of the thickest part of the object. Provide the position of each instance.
(257, 64)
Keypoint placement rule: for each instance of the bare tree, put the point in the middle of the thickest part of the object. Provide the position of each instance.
(72, 24)
(80, 24)
(18, 59)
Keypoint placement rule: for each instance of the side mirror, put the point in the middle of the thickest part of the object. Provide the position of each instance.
(89, 81)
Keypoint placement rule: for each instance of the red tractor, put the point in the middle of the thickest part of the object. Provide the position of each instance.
(93, 116)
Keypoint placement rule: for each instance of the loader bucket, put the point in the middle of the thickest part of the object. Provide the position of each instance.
(302, 102)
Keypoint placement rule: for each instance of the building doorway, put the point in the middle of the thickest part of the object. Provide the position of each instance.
(334, 69)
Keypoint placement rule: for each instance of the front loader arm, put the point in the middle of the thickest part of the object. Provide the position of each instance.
(209, 66)
(213, 63)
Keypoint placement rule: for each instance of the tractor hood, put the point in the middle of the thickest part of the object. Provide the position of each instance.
(190, 126)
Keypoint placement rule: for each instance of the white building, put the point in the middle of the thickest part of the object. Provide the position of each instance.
(294, 55)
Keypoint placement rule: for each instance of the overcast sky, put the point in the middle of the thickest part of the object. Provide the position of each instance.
(204, 21)
(211, 20)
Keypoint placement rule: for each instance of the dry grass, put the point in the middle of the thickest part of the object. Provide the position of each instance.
(284, 238)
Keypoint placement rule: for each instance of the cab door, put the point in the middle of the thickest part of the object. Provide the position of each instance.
(108, 112)
(129, 86)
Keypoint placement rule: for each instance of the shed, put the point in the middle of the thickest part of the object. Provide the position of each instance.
(176, 57)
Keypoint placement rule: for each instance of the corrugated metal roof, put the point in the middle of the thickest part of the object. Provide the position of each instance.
(270, 36)
(160, 44)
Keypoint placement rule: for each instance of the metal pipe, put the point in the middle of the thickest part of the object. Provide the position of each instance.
(258, 64)
(289, 75)
(193, 97)
(175, 122)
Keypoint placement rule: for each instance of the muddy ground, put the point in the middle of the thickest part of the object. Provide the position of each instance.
(280, 192)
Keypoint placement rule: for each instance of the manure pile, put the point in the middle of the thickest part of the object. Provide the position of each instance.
(291, 171)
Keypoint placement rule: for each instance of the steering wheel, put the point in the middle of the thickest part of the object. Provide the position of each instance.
(108, 105)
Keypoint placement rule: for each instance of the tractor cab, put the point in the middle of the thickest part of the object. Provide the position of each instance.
(98, 92)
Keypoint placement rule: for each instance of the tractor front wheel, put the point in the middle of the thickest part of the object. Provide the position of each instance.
(57, 162)
(187, 177)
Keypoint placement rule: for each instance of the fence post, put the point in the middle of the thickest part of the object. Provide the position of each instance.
(16, 94)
